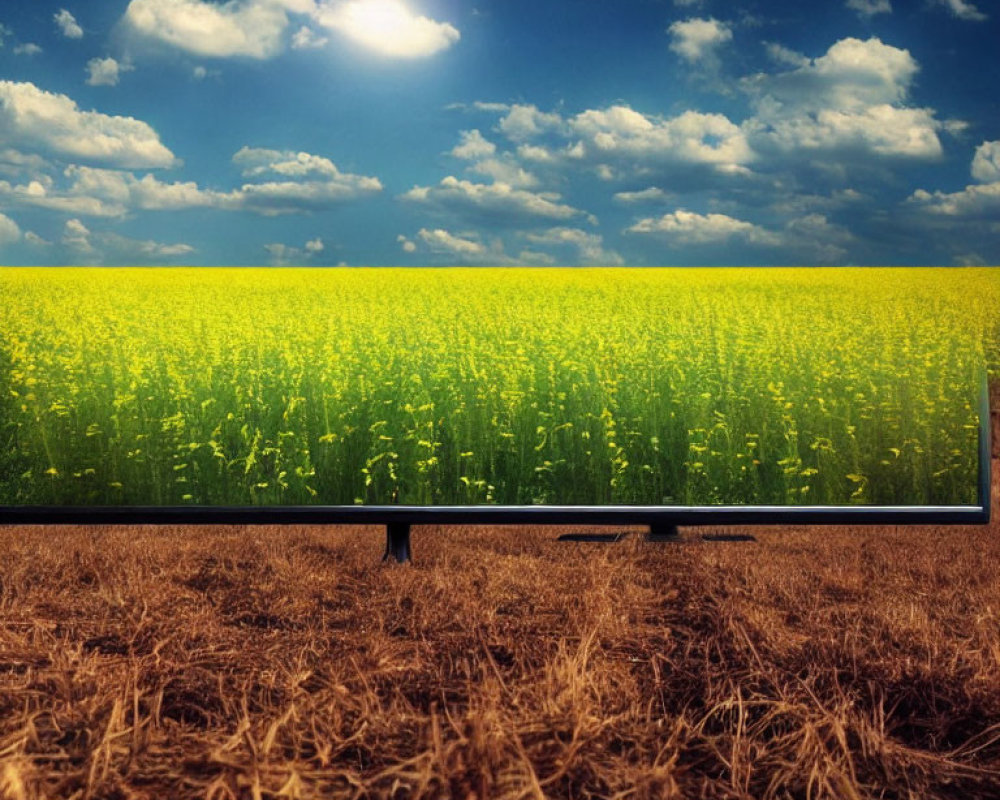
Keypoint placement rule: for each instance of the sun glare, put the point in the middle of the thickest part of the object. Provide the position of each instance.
(375, 20)
(390, 28)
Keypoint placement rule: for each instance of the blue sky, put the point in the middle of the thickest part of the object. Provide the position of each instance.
(412, 132)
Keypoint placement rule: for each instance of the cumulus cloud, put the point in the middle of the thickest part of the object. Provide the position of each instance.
(306, 183)
(471, 247)
(522, 122)
(808, 239)
(652, 194)
(27, 49)
(76, 235)
(111, 193)
(964, 10)
(441, 241)
(105, 71)
(473, 146)
(305, 38)
(851, 75)
(851, 98)
(249, 28)
(614, 143)
(869, 8)
(688, 227)
(144, 248)
(283, 255)
(9, 230)
(33, 119)
(502, 168)
(986, 162)
(785, 55)
(587, 248)
(696, 39)
(387, 26)
(107, 247)
(981, 200)
(67, 24)
(495, 200)
(691, 137)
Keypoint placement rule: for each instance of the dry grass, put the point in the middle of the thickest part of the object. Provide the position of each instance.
(263, 662)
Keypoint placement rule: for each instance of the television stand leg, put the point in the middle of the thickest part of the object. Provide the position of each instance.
(397, 542)
(663, 532)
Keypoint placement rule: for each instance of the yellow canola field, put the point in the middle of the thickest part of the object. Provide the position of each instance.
(217, 386)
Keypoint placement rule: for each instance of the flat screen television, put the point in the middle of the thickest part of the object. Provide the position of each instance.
(497, 284)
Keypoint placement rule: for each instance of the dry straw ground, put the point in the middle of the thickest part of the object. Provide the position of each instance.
(247, 662)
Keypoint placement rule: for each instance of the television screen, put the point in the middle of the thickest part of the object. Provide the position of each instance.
(490, 386)
(277, 254)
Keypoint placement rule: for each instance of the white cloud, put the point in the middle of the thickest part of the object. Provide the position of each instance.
(848, 99)
(387, 26)
(441, 241)
(588, 247)
(986, 162)
(785, 55)
(13, 161)
(312, 182)
(27, 49)
(688, 227)
(696, 39)
(67, 24)
(323, 183)
(35, 240)
(650, 194)
(869, 8)
(850, 76)
(505, 170)
(981, 200)
(31, 118)
(530, 152)
(523, 122)
(76, 235)
(122, 246)
(105, 71)
(691, 137)
(305, 38)
(809, 239)
(284, 255)
(106, 247)
(250, 28)
(964, 10)
(883, 130)
(473, 146)
(9, 231)
(469, 247)
(492, 199)
(259, 161)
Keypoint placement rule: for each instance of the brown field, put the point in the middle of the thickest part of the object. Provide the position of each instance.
(254, 662)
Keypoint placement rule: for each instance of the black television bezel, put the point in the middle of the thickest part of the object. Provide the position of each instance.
(978, 514)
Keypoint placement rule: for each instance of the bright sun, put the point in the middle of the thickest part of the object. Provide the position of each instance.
(376, 20)
(390, 27)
